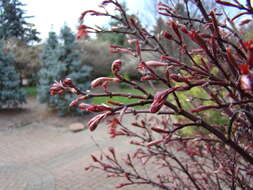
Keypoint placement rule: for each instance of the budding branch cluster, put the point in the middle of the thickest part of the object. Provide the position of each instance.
(215, 156)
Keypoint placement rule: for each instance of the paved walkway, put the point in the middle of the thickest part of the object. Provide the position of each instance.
(39, 157)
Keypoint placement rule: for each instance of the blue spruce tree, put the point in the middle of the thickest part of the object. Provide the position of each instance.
(70, 58)
(50, 70)
(11, 95)
(60, 61)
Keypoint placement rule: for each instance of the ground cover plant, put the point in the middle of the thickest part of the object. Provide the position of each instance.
(209, 80)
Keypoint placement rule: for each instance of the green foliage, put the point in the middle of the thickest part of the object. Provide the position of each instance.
(13, 22)
(197, 58)
(11, 94)
(118, 39)
(59, 60)
(196, 97)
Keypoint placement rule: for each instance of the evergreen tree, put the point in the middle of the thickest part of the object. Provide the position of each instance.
(13, 22)
(10, 93)
(70, 58)
(59, 61)
(50, 70)
(116, 39)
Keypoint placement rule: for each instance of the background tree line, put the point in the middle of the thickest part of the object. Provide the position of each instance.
(23, 55)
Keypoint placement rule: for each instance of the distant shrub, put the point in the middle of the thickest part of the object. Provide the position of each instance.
(26, 59)
(130, 64)
(11, 94)
(96, 54)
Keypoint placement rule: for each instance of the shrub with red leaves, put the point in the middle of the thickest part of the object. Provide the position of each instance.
(215, 155)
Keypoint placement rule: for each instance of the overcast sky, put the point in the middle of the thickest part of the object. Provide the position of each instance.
(53, 14)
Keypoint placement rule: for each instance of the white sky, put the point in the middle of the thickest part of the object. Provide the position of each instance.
(53, 14)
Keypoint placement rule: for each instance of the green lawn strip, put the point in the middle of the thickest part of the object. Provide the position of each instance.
(31, 91)
(122, 100)
(214, 117)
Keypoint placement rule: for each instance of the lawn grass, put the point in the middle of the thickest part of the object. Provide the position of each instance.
(122, 100)
(188, 131)
(213, 116)
(31, 91)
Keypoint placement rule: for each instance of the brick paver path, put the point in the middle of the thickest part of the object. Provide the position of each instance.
(39, 157)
